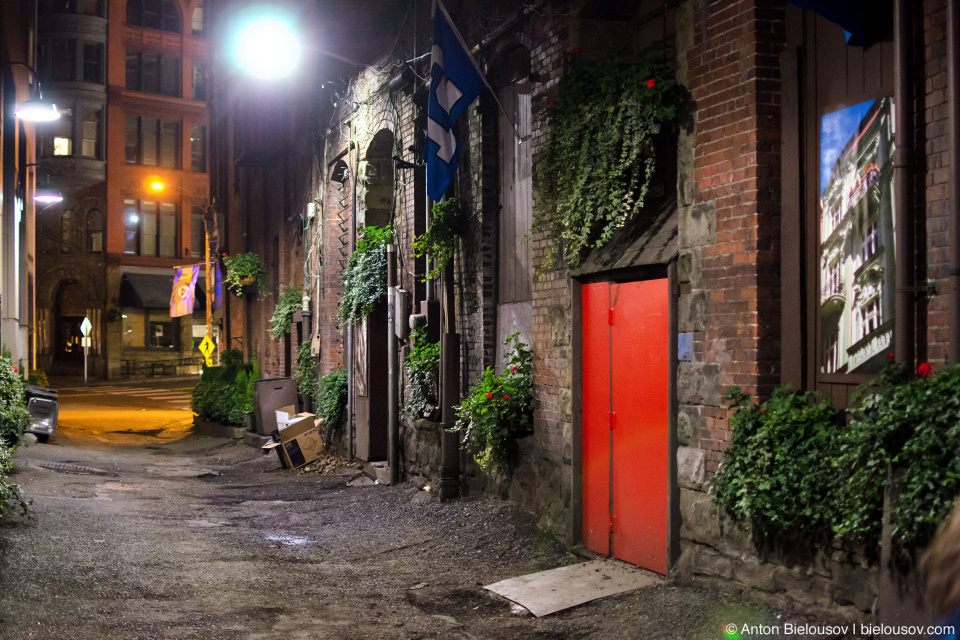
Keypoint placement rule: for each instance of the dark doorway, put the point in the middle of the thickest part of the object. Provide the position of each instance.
(69, 312)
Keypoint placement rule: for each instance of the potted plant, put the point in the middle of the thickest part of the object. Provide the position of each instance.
(244, 272)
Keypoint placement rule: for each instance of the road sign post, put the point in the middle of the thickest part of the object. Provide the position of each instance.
(85, 327)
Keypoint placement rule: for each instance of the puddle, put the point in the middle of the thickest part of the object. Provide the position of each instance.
(287, 539)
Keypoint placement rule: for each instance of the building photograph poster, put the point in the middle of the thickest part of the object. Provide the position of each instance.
(856, 238)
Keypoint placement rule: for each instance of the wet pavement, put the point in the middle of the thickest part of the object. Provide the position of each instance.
(143, 530)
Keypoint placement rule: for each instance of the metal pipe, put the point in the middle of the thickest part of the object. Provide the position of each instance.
(351, 397)
(393, 368)
(450, 392)
(902, 184)
(953, 102)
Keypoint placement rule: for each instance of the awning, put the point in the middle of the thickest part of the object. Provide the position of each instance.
(149, 291)
(649, 238)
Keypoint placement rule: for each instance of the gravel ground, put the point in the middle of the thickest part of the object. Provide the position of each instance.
(204, 538)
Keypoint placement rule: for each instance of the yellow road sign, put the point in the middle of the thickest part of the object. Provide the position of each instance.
(207, 348)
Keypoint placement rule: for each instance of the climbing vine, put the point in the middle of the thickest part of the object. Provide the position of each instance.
(440, 240)
(423, 369)
(599, 157)
(289, 301)
(365, 276)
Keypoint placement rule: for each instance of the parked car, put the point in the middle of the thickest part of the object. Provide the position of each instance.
(43, 404)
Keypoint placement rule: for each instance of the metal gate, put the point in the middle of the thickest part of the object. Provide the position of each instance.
(625, 420)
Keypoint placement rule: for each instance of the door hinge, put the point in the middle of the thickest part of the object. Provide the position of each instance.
(613, 420)
(610, 317)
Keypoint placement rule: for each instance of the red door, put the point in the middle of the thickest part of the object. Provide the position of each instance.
(625, 420)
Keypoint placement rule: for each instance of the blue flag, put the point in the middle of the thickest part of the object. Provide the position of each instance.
(455, 82)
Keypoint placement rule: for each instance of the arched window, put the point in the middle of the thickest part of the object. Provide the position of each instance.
(154, 14)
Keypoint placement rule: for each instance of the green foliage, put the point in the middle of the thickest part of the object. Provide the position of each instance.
(423, 369)
(14, 417)
(365, 276)
(332, 399)
(242, 267)
(496, 406)
(912, 424)
(38, 377)
(231, 358)
(599, 157)
(306, 374)
(791, 470)
(778, 471)
(10, 493)
(291, 298)
(440, 240)
(220, 396)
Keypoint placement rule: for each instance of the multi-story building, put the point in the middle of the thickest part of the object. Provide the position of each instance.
(130, 157)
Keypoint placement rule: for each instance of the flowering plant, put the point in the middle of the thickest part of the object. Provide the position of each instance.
(496, 406)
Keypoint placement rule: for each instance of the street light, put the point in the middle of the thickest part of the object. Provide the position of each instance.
(36, 109)
(264, 42)
(47, 195)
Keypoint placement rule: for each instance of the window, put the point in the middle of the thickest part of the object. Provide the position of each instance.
(196, 231)
(86, 7)
(93, 62)
(150, 228)
(867, 320)
(64, 60)
(196, 21)
(153, 73)
(58, 139)
(66, 230)
(152, 142)
(198, 81)
(95, 231)
(149, 328)
(870, 245)
(154, 14)
(92, 125)
(198, 148)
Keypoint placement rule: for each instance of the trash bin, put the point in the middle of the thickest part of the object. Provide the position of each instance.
(269, 396)
(43, 404)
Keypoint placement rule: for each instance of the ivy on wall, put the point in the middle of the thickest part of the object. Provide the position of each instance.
(365, 276)
(599, 157)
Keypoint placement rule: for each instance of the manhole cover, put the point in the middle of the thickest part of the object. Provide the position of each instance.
(74, 468)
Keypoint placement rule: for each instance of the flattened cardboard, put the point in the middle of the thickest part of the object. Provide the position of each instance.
(300, 441)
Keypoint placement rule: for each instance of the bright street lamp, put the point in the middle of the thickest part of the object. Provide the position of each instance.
(46, 195)
(264, 42)
(37, 110)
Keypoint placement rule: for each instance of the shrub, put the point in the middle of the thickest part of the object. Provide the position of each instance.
(306, 373)
(10, 493)
(496, 406)
(291, 298)
(332, 399)
(423, 369)
(14, 417)
(440, 240)
(38, 377)
(913, 425)
(219, 398)
(365, 276)
(779, 470)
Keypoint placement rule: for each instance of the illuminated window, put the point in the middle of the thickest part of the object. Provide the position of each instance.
(62, 146)
(150, 228)
(196, 22)
(92, 123)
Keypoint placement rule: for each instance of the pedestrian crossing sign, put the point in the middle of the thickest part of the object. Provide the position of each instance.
(207, 348)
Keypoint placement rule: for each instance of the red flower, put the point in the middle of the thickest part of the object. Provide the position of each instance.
(489, 395)
(552, 102)
(506, 397)
(889, 356)
(763, 410)
(650, 83)
(575, 50)
(15, 369)
(513, 368)
(925, 370)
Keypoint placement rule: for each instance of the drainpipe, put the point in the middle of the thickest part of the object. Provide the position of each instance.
(351, 397)
(902, 184)
(450, 391)
(393, 367)
(953, 100)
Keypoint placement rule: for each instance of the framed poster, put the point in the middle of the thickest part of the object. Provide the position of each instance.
(857, 262)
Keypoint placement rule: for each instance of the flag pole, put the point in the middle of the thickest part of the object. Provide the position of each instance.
(476, 66)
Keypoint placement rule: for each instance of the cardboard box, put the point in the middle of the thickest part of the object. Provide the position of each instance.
(300, 441)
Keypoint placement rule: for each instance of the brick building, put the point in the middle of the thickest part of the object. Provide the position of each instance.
(131, 78)
(734, 274)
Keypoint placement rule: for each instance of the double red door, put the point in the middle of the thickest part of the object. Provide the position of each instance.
(625, 420)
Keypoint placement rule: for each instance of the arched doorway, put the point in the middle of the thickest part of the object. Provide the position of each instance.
(70, 310)
(370, 333)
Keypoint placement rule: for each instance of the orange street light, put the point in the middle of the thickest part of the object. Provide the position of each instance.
(156, 185)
